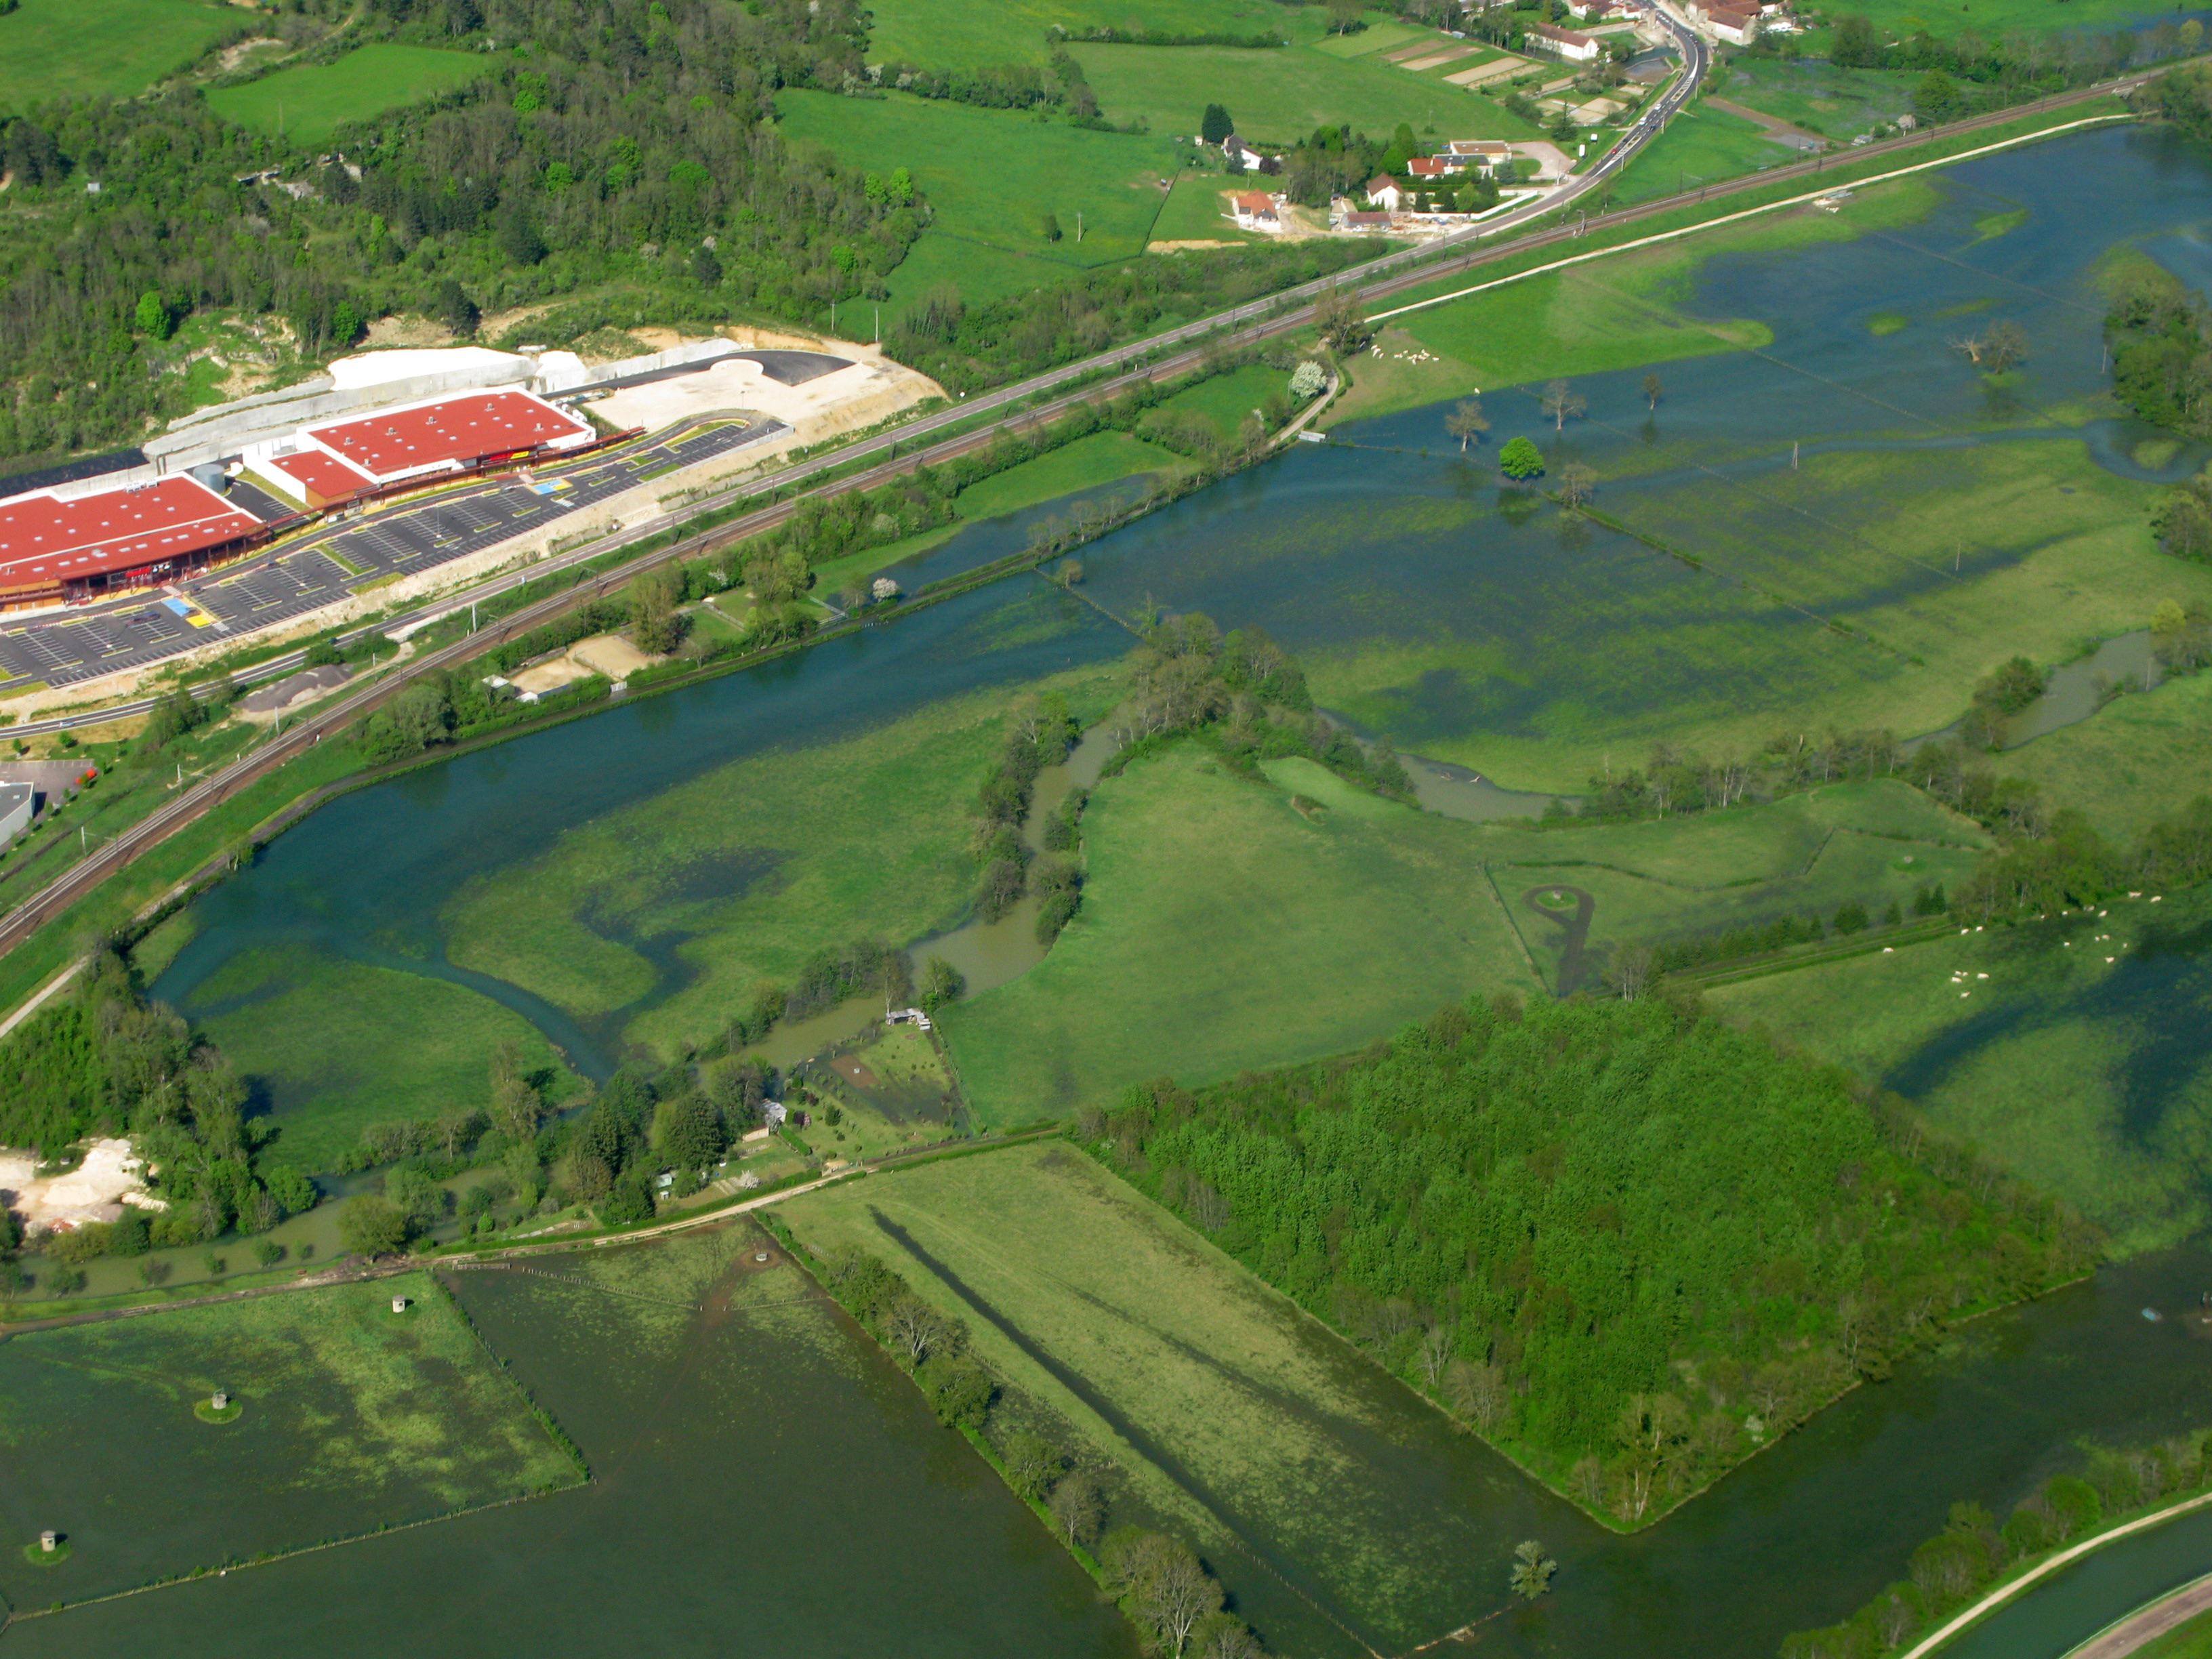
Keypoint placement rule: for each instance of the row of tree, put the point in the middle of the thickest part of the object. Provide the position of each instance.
(1973, 1550)
(1163, 1588)
(102, 1060)
(1631, 1242)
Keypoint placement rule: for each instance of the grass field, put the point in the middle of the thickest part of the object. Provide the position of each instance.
(1276, 97)
(1701, 146)
(2084, 1075)
(1237, 1422)
(1222, 929)
(354, 1418)
(659, 916)
(308, 103)
(1226, 399)
(2192, 1640)
(52, 49)
(1196, 211)
(953, 34)
(994, 175)
(334, 1046)
(2133, 762)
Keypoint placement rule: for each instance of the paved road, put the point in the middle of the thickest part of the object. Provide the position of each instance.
(894, 453)
(2143, 1628)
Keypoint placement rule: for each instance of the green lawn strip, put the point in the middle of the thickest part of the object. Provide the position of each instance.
(1278, 97)
(339, 1045)
(52, 48)
(310, 101)
(1259, 1415)
(1702, 145)
(1221, 929)
(762, 862)
(2191, 1640)
(2067, 1071)
(354, 1419)
(1226, 400)
(992, 176)
(1091, 463)
(978, 271)
(953, 34)
(2129, 765)
(1196, 210)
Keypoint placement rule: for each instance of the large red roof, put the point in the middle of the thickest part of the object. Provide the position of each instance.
(464, 428)
(328, 476)
(44, 540)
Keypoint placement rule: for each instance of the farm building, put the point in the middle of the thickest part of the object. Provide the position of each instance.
(1563, 43)
(1738, 28)
(53, 550)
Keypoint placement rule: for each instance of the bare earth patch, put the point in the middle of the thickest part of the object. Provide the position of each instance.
(111, 1176)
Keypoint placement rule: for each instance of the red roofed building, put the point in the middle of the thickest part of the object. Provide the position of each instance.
(52, 550)
(448, 434)
(317, 480)
(1255, 209)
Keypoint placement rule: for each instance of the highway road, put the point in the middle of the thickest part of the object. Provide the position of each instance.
(894, 452)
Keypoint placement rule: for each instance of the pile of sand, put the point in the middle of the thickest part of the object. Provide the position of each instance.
(111, 1176)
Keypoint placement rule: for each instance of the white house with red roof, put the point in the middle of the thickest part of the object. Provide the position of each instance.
(1563, 43)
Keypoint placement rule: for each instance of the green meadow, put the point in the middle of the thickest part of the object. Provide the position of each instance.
(354, 1419)
(1836, 103)
(1701, 146)
(992, 176)
(338, 1045)
(1212, 1405)
(1279, 96)
(1225, 400)
(1222, 928)
(745, 872)
(53, 49)
(308, 103)
(960, 34)
(2068, 1051)
(2140, 758)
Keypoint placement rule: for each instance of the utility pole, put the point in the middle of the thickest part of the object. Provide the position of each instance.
(1793, 454)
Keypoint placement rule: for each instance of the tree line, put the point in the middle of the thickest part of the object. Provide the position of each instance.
(103, 1060)
(1625, 1241)
(1163, 1587)
(1973, 1550)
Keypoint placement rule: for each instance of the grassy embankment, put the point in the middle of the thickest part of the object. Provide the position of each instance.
(2191, 1641)
(52, 49)
(2076, 1063)
(309, 102)
(338, 1045)
(1223, 1413)
(1222, 928)
(354, 1419)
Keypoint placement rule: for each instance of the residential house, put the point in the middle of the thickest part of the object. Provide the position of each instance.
(1242, 158)
(1737, 28)
(1255, 209)
(1428, 169)
(1492, 154)
(1383, 191)
(1563, 43)
(1601, 11)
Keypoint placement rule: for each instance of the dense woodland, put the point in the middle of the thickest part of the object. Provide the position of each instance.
(1628, 1241)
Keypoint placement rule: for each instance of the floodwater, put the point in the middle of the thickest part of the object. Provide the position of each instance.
(768, 1488)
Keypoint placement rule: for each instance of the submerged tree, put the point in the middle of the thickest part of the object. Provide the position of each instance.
(1467, 421)
(1531, 1570)
(1576, 483)
(1651, 390)
(1564, 403)
(1521, 459)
